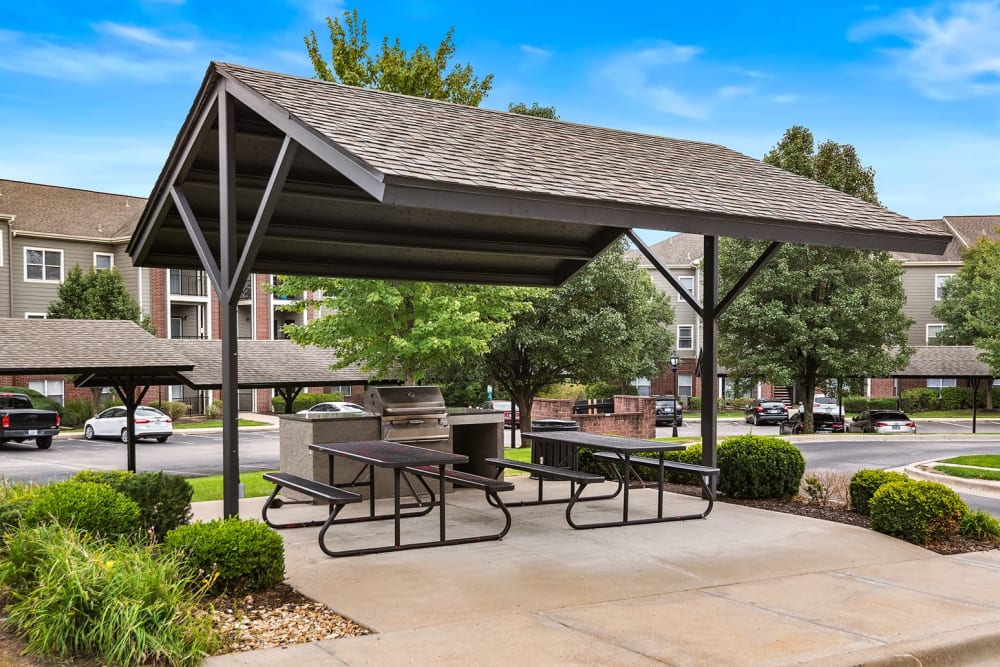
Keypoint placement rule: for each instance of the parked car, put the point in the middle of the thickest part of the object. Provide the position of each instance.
(150, 423)
(505, 406)
(822, 423)
(20, 421)
(765, 411)
(669, 411)
(882, 421)
(330, 407)
(824, 404)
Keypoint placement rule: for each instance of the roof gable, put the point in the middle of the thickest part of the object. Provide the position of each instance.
(51, 209)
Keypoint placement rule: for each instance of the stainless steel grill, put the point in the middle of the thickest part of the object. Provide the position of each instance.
(415, 415)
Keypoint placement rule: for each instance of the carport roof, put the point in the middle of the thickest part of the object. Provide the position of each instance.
(945, 361)
(392, 186)
(265, 363)
(102, 350)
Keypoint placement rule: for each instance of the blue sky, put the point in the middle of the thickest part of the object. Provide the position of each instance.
(93, 93)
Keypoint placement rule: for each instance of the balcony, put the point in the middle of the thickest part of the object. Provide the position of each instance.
(185, 282)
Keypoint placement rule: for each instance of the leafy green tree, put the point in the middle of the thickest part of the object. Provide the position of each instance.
(970, 302)
(609, 321)
(815, 313)
(99, 294)
(420, 73)
(400, 329)
(533, 110)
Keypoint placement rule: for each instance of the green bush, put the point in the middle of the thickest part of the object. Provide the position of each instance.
(754, 466)
(176, 409)
(93, 508)
(239, 556)
(919, 399)
(14, 500)
(38, 400)
(214, 409)
(71, 597)
(304, 401)
(919, 512)
(75, 412)
(980, 525)
(165, 500)
(883, 404)
(694, 402)
(864, 484)
(855, 404)
(740, 403)
(957, 398)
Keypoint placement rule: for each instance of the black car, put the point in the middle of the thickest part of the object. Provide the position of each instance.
(822, 423)
(765, 411)
(669, 411)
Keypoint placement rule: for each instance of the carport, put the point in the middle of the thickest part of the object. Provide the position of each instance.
(101, 353)
(278, 174)
(949, 361)
(267, 364)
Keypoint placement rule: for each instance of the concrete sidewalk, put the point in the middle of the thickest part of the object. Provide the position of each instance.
(744, 587)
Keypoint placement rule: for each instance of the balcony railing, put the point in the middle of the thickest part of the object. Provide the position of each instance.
(188, 283)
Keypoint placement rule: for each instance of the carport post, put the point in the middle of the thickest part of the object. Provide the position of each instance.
(228, 258)
(710, 354)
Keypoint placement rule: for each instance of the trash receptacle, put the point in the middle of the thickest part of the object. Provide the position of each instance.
(553, 453)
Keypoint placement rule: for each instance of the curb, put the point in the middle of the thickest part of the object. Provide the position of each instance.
(195, 431)
(979, 487)
(976, 645)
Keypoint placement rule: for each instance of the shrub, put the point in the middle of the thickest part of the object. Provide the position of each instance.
(864, 484)
(93, 508)
(214, 409)
(855, 404)
(956, 398)
(883, 404)
(304, 401)
(825, 487)
(919, 399)
(165, 500)
(740, 403)
(694, 402)
(39, 400)
(919, 512)
(73, 597)
(754, 466)
(75, 412)
(980, 525)
(241, 555)
(176, 409)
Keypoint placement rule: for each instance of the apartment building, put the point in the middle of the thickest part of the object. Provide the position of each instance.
(45, 230)
(923, 277)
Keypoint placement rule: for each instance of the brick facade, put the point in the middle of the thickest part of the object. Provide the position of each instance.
(634, 416)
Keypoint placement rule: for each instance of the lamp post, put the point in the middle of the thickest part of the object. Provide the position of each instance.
(673, 366)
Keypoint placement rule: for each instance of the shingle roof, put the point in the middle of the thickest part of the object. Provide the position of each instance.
(76, 346)
(945, 361)
(266, 363)
(70, 212)
(966, 230)
(410, 137)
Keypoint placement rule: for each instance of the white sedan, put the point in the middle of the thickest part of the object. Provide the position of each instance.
(149, 423)
(331, 407)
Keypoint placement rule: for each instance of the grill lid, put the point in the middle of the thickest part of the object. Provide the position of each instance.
(402, 401)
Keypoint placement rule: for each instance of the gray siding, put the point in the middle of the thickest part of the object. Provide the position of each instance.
(918, 283)
(137, 287)
(4, 271)
(683, 313)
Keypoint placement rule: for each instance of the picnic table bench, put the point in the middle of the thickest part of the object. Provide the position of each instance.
(705, 474)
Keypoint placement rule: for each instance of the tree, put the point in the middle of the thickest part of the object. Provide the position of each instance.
(400, 329)
(970, 302)
(99, 294)
(815, 313)
(608, 322)
(533, 110)
(421, 73)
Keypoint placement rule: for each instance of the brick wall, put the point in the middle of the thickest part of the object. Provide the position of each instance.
(158, 298)
(634, 416)
(882, 388)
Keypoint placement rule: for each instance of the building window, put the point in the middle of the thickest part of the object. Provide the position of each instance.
(50, 388)
(932, 333)
(685, 337)
(687, 282)
(103, 260)
(939, 280)
(938, 383)
(642, 386)
(43, 265)
(685, 384)
(36, 316)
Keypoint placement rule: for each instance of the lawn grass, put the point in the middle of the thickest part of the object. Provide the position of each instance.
(216, 423)
(969, 473)
(210, 488)
(981, 460)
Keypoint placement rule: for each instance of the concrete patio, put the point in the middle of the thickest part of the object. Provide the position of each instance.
(744, 587)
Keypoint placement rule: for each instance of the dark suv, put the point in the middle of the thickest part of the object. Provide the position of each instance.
(669, 411)
(765, 411)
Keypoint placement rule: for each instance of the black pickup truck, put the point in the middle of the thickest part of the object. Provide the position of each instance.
(20, 421)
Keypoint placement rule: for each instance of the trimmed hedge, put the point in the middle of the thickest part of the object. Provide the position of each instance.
(93, 508)
(754, 466)
(165, 500)
(919, 512)
(864, 484)
(236, 556)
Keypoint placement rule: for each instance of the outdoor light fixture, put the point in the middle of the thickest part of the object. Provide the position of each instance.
(674, 360)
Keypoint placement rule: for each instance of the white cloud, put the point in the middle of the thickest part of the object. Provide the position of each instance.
(728, 92)
(950, 52)
(639, 74)
(535, 51)
(785, 98)
(143, 36)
